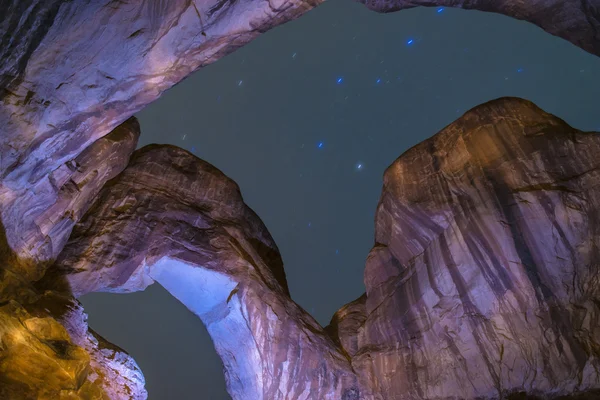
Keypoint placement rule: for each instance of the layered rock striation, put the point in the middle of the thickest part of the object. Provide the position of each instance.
(174, 219)
(46, 348)
(577, 21)
(71, 72)
(485, 277)
(483, 281)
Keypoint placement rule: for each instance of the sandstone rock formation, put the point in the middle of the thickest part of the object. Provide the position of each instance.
(484, 280)
(485, 276)
(48, 352)
(73, 71)
(174, 219)
(577, 21)
(46, 348)
(38, 218)
(484, 284)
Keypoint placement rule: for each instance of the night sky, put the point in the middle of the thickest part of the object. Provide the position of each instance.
(305, 119)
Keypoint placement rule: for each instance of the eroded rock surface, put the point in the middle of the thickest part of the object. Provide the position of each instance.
(37, 219)
(46, 349)
(485, 277)
(72, 71)
(483, 281)
(490, 277)
(174, 219)
(47, 352)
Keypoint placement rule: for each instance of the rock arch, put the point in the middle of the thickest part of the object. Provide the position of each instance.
(69, 87)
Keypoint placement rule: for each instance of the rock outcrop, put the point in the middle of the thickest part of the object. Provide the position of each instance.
(483, 280)
(483, 283)
(46, 348)
(577, 21)
(38, 219)
(48, 352)
(485, 276)
(73, 71)
(174, 219)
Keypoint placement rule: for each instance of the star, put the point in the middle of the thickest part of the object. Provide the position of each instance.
(320, 145)
(440, 10)
(410, 41)
(378, 80)
(240, 82)
(294, 55)
(359, 166)
(340, 80)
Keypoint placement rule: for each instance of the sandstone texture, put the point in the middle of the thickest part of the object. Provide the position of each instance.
(46, 348)
(72, 71)
(485, 277)
(174, 219)
(482, 283)
(48, 352)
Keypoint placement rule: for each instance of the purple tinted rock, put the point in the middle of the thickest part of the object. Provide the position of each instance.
(174, 219)
(48, 352)
(70, 72)
(489, 279)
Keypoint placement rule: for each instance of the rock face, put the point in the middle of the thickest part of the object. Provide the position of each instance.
(171, 218)
(38, 219)
(46, 349)
(485, 276)
(47, 352)
(71, 72)
(484, 280)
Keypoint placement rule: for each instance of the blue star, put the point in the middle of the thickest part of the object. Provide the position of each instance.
(520, 70)
(378, 80)
(410, 41)
(339, 80)
(440, 10)
(359, 166)
(320, 145)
